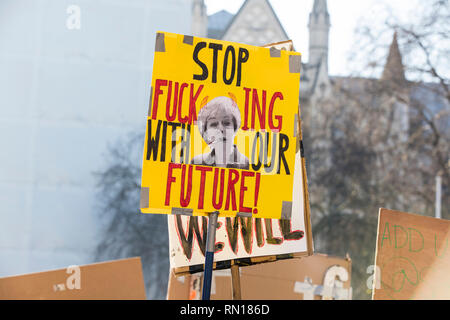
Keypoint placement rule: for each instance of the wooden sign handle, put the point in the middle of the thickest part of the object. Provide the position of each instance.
(236, 281)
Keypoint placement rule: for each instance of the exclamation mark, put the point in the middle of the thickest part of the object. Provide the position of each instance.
(258, 178)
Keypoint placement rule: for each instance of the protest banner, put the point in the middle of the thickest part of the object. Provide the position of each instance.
(220, 129)
(318, 277)
(412, 257)
(112, 280)
(245, 241)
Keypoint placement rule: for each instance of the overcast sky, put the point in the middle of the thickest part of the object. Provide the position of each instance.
(344, 15)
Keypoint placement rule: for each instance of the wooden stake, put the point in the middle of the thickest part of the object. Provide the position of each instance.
(236, 281)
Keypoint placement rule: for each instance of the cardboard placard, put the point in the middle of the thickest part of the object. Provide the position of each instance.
(412, 257)
(112, 280)
(221, 129)
(246, 241)
(282, 45)
(315, 277)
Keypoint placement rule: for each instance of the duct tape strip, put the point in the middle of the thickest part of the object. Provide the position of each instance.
(196, 268)
(226, 264)
(144, 203)
(274, 52)
(182, 211)
(150, 102)
(285, 256)
(286, 210)
(244, 262)
(295, 63)
(159, 43)
(188, 40)
(244, 214)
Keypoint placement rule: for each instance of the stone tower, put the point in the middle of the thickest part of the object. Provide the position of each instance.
(199, 26)
(396, 91)
(319, 28)
(393, 69)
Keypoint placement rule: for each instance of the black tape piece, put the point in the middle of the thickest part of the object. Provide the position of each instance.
(188, 40)
(244, 214)
(196, 268)
(274, 52)
(285, 256)
(182, 211)
(159, 43)
(226, 264)
(295, 63)
(144, 203)
(244, 262)
(286, 210)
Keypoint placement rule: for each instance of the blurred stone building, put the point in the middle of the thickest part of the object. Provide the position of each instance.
(256, 23)
(405, 108)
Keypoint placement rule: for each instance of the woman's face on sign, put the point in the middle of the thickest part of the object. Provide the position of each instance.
(220, 127)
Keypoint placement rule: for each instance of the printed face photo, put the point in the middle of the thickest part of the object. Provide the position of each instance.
(222, 121)
(220, 128)
(218, 122)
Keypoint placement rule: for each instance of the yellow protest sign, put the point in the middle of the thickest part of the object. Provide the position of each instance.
(220, 130)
